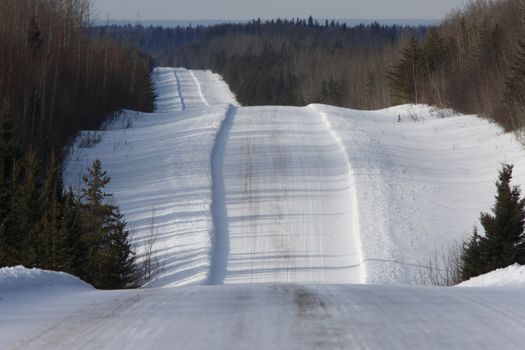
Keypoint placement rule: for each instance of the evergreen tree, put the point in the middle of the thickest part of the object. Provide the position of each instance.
(503, 244)
(504, 229)
(405, 76)
(28, 211)
(53, 239)
(120, 259)
(71, 229)
(434, 51)
(109, 259)
(471, 257)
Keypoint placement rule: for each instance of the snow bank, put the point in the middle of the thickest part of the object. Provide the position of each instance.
(512, 276)
(19, 277)
(422, 177)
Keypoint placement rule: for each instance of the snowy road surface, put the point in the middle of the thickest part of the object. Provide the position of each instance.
(261, 316)
(282, 228)
(288, 201)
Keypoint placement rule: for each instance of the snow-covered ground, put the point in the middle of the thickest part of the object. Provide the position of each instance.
(18, 279)
(160, 170)
(421, 182)
(511, 276)
(286, 194)
(284, 227)
(265, 316)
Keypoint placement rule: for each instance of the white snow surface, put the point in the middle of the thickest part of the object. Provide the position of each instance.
(284, 228)
(263, 316)
(160, 170)
(511, 276)
(312, 194)
(18, 278)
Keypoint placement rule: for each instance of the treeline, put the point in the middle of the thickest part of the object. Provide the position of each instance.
(41, 226)
(55, 80)
(473, 62)
(291, 62)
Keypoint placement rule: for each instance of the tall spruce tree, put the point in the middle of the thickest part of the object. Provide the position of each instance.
(109, 259)
(405, 76)
(55, 255)
(504, 229)
(434, 51)
(28, 210)
(503, 243)
(71, 228)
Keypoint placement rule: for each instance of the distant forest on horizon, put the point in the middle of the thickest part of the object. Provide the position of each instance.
(472, 61)
(289, 62)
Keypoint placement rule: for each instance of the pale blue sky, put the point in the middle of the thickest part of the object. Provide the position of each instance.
(249, 9)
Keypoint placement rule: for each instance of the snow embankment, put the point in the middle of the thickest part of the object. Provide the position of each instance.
(160, 168)
(19, 278)
(422, 178)
(512, 276)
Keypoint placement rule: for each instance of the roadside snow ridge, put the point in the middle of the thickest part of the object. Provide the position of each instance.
(19, 278)
(511, 276)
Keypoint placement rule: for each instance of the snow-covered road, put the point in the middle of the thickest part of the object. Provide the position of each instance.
(294, 194)
(261, 316)
(288, 200)
(282, 228)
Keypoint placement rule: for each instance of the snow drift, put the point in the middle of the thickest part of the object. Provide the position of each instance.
(19, 278)
(512, 276)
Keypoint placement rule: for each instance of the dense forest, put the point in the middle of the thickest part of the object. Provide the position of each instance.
(477, 63)
(290, 62)
(472, 62)
(55, 79)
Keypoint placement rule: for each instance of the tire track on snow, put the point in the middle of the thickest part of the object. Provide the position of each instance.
(355, 226)
(220, 236)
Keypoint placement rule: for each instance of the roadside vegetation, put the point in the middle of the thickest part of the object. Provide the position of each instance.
(56, 80)
(503, 243)
(282, 62)
(473, 62)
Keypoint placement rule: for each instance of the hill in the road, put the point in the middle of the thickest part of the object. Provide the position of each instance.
(295, 194)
